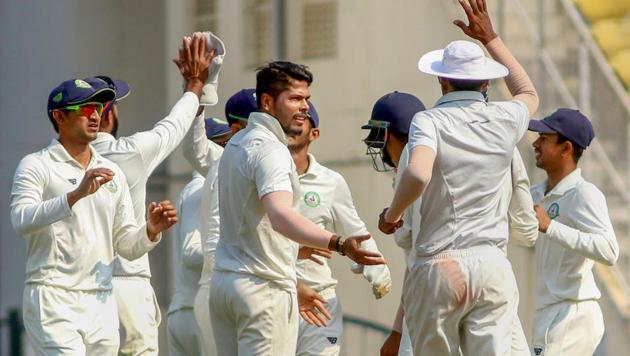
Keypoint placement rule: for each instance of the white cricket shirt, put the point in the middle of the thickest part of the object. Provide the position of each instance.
(255, 162)
(474, 142)
(187, 245)
(138, 155)
(73, 248)
(210, 222)
(326, 200)
(580, 234)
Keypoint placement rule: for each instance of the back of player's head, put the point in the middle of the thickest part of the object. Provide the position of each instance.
(312, 115)
(275, 77)
(240, 105)
(394, 111)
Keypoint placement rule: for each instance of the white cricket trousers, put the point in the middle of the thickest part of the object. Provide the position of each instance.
(568, 328)
(464, 299)
(202, 319)
(64, 322)
(252, 316)
(322, 341)
(139, 315)
(182, 333)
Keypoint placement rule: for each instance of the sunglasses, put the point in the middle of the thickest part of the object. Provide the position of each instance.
(86, 109)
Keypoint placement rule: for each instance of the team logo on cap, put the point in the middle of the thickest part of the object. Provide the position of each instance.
(554, 210)
(58, 97)
(82, 84)
(111, 186)
(312, 199)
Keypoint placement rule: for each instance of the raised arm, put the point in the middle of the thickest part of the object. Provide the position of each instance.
(480, 28)
(200, 152)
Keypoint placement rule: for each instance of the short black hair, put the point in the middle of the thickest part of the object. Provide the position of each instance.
(466, 85)
(577, 150)
(275, 77)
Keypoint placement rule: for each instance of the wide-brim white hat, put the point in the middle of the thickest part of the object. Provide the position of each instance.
(463, 60)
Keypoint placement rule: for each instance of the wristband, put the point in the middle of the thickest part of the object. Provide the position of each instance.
(339, 245)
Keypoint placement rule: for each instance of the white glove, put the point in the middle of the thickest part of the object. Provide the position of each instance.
(209, 92)
(377, 275)
(209, 95)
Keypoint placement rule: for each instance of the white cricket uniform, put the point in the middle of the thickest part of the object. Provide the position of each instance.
(182, 330)
(210, 226)
(523, 230)
(473, 299)
(67, 304)
(568, 319)
(138, 155)
(253, 300)
(326, 200)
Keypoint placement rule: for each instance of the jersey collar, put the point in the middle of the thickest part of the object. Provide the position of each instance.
(461, 96)
(567, 183)
(314, 168)
(268, 122)
(59, 153)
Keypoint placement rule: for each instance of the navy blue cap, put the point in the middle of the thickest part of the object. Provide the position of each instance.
(75, 92)
(240, 105)
(394, 111)
(121, 87)
(216, 128)
(569, 123)
(312, 114)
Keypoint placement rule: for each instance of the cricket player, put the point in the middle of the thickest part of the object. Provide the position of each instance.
(575, 232)
(138, 155)
(203, 147)
(73, 208)
(326, 200)
(184, 338)
(253, 289)
(460, 155)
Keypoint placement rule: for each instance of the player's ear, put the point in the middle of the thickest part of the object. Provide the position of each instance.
(314, 134)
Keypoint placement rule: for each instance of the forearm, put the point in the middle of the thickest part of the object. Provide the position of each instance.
(133, 243)
(412, 185)
(195, 145)
(518, 82)
(300, 229)
(28, 217)
(601, 247)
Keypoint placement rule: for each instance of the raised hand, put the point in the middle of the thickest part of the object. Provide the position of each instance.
(160, 216)
(310, 253)
(92, 180)
(194, 61)
(479, 24)
(352, 248)
(312, 306)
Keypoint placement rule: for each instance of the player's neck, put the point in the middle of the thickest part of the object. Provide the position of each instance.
(300, 158)
(78, 150)
(555, 176)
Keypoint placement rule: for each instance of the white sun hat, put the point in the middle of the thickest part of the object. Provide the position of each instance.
(461, 60)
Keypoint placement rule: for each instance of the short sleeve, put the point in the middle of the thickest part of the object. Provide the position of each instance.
(520, 113)
(422, 132)
(272, 171)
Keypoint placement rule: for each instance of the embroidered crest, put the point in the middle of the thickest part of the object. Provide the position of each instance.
(554, 210)
(312, 199)
(333, 340)
(82, 84)
(111, 186)
(72, 181)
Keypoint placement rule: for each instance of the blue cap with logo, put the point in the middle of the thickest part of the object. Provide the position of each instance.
(394, 111)
(216, 128)
(569, 123)
(240, 105)
(76, 92)
(312, 114)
